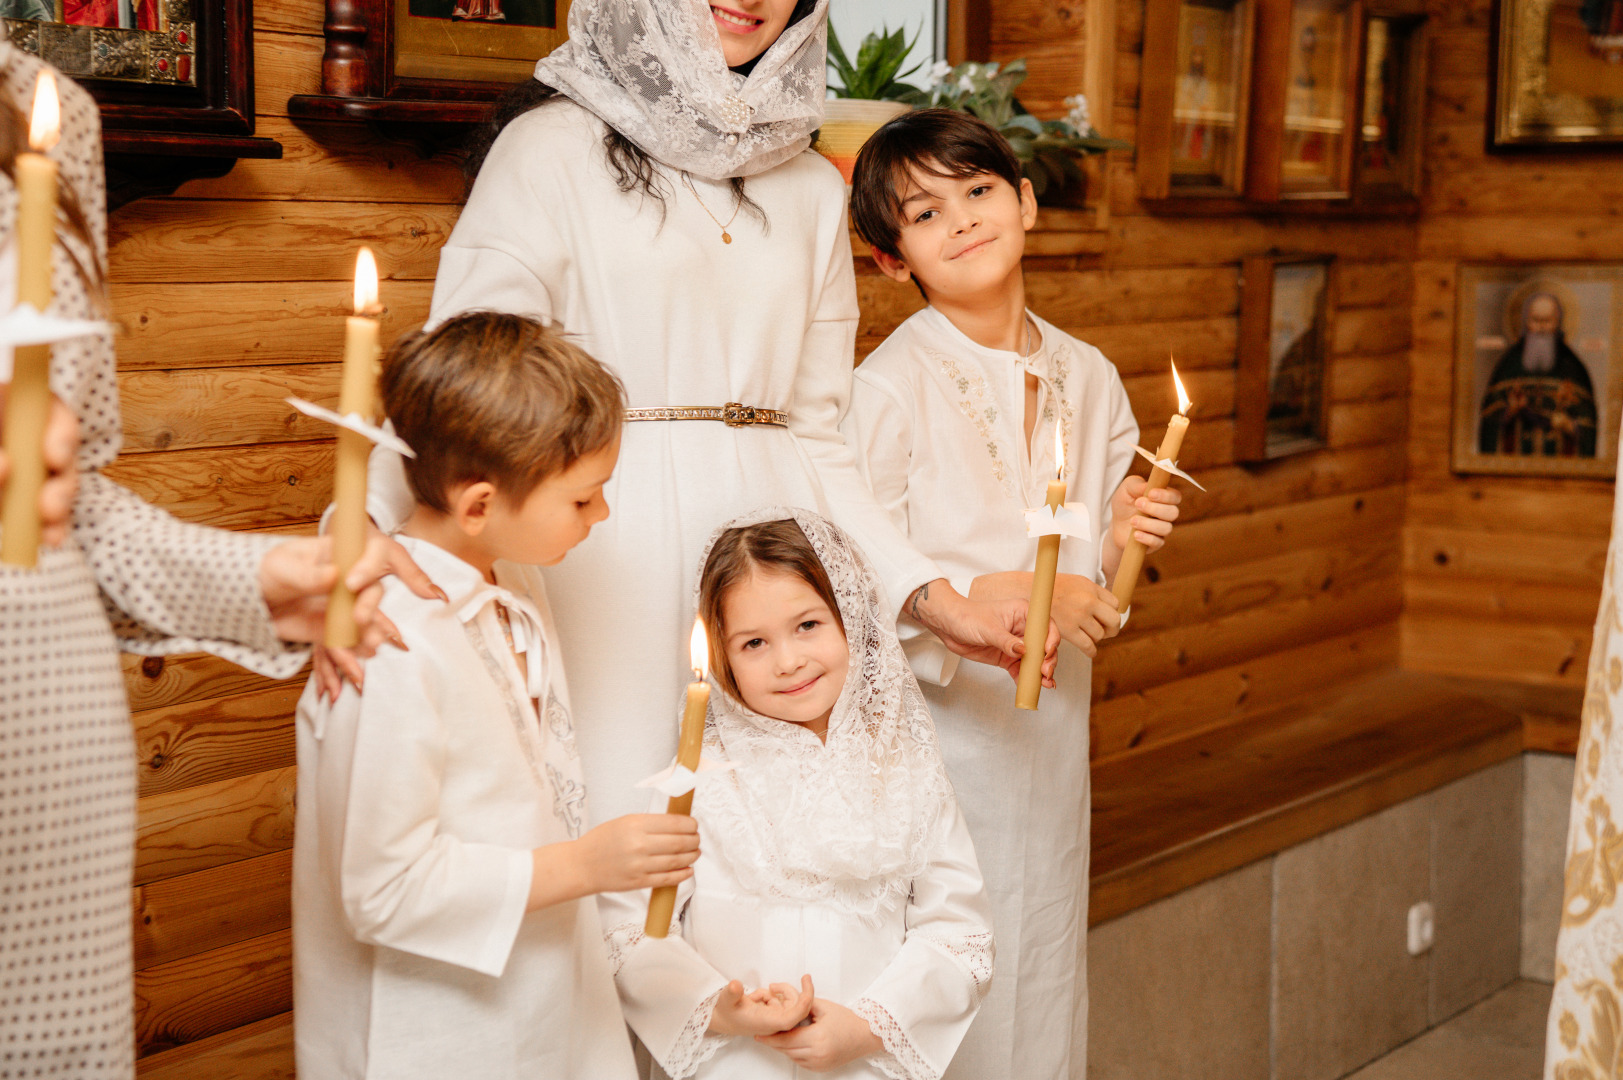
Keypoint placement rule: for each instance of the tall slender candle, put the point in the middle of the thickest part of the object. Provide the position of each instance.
(28, 405)
(358, 394)
(1030, 685)
(662, 903)
(1132, 559)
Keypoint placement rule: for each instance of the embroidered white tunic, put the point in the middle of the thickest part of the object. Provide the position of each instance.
(684, 319)
(916, 972)
(419, 804)
(937, 422)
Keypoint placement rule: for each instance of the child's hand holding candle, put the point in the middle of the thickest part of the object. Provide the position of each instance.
(662, 901)
(1142, 511)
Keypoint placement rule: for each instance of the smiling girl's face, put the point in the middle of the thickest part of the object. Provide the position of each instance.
(787, 652)
(749, 27)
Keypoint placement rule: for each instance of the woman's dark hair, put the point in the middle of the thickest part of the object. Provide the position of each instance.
(633, 169)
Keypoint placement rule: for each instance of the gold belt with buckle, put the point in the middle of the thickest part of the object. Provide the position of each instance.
(732, 414)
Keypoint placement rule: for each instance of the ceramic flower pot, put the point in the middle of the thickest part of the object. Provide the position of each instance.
(847, 124)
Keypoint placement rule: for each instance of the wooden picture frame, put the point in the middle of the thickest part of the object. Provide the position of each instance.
(1195, 100)
(1287, 303)
(1392, 105)
(1305, 100)
(408, 61)
(177, 79)
(1530, 407)
(1556, 79)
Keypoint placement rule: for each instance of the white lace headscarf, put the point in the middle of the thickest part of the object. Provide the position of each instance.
(653, 70)
(854, 821)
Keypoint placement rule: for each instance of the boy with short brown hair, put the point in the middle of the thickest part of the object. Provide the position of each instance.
(444, 916)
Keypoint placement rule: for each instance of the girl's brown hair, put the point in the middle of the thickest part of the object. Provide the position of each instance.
(776, 546)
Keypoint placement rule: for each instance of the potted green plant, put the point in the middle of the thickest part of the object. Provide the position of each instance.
(1050, 151)
(870, 93)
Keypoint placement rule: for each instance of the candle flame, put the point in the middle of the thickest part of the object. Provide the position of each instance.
(366, 282)
(699, 650)
(1183, 398)
(1059, 452)
(46, 125)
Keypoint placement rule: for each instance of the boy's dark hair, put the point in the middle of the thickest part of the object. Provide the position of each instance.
(936, 142)
(778, 546)
(496, 397)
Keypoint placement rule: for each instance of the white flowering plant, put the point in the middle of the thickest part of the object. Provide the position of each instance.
(1049, 150)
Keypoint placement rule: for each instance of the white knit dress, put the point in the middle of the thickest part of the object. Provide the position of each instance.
(67, 756)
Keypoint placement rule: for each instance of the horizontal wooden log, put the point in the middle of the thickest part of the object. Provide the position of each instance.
(208, 324)
(1144, 240)
(195, 913)
(155, 682)
(1186, 600)
(1035, 22)
(1155, 399)
(1160, 714)
(220, 240)
(247, 487)
(1549, 557)
(1369, 378)
(1373, 284)
(1241, 489)
(1495, 599)
(1361, 331)
(181, 832)
(1501, 649)
(262, 1050)
(1520, 237)
(181, 746)
(290, 16)
(1144, 348)
(1514, 504)
(213, 992)
(284, 65)
(337, 162)
(1217, 543)
(1138, 661)
(1361, 423)
(233, 406)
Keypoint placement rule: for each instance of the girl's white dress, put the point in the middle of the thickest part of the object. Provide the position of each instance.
(847, 861)
(684, 319)
(419, 804)
(937, 421)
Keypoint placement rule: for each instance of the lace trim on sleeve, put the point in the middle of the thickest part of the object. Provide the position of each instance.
(695, 1045)
(973, 951)
(901, 1059)
(620, 941)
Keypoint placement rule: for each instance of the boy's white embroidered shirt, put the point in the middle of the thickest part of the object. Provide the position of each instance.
(419, 804)
(845, 860)
(937, 423)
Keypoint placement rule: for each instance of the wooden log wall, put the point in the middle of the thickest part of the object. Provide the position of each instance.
(1284, 577)
(1501, 575)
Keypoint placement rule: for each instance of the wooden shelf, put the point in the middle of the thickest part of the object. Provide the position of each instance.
(1186, 812)
(1060, 231)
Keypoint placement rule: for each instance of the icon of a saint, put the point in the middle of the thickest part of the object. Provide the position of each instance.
(1540, 401)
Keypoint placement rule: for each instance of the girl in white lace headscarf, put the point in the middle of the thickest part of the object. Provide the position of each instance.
(834, 852)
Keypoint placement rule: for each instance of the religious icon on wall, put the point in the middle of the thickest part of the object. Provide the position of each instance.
(1209, 97)
(1285, 309)
(1558, 79)
(138, 41)
(478, 40)
(1388, 158)
(1535, 387)
(1317, 144)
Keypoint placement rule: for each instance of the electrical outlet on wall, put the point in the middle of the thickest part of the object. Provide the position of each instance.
(1422, 928)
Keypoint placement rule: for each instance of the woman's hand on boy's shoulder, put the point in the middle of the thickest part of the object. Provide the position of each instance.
(765, 1011)
(834, 1036)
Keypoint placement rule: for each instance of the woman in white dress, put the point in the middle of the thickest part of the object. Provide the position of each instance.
(834, 854)
(615, 203)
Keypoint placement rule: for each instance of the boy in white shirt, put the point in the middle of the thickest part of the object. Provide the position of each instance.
(953, 420)
(443, 882)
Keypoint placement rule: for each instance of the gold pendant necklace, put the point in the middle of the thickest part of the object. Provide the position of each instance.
(726, 237)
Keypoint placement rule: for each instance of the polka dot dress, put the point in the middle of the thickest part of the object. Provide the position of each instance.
(67, 753)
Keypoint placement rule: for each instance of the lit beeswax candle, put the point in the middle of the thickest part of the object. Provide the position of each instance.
(662, 903)
(1030, 686)
(358, 394)
(1132, 560)
(29, 403)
